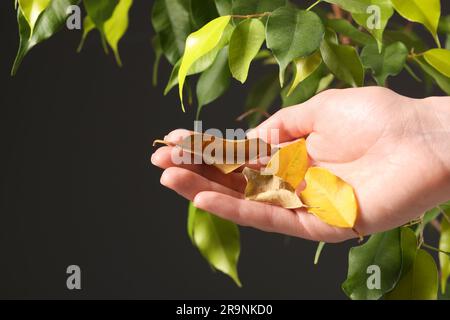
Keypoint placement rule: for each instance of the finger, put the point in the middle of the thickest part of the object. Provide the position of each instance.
(287, 124)
(187, 183)
(177, 135)
(163, 158)
(270, 218)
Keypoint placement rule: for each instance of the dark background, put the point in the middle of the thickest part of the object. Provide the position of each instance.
(77, 186)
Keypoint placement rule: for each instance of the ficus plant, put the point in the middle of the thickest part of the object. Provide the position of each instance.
(316, 45)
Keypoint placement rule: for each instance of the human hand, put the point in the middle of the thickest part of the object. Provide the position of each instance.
(393, 150)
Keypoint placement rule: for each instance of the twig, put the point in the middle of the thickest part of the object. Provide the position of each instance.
(435, 249)
(254, 15)
(250, 112)
(313, 5)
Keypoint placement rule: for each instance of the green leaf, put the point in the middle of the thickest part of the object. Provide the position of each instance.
(217, 240)
(319, 251)
(156, 44)
(442, 81)
(202, 11)
(49, 22)
(382, 250)
(100, 11)
(420, 282)
(198, 44)
(409, 38)
(171, 20)
(439, 59)
(304, 91)
(365, 14)
(32, 9)
(345, 28)
(325, 83)
(409, 249)
(344, 62)
(245, 42)
(214, 81)
(261, 96)
(304, 67)
(390, 62)
(116, 26)
(88, 26)
(223, 7)
(245, 7)
(444, 245)
(292, 34)
(425, 12)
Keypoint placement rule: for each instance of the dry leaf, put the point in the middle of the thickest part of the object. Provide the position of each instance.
(270, 189)
(290, 163)
(329, 198)
(225, 155)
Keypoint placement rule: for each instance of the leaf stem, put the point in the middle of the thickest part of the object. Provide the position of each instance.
(318, 252)
(313, 5)
(252, 111)
(435, 249)
(253, 15)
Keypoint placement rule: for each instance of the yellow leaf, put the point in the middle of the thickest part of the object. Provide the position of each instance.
(270, 189)
(198, 44)
(329, 198)
(439, 59)
(304, 67)
(32, 9)
(290, 163)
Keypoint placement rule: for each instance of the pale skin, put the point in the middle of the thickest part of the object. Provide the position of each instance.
(393, 150)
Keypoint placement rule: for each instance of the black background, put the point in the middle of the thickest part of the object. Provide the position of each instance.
(77, 186)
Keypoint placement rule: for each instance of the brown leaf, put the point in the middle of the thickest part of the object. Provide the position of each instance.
(270, 189)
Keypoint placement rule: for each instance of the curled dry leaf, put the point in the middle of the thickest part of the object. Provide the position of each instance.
(270, 189)
(329, 198)
(225, 155)
(290, 163)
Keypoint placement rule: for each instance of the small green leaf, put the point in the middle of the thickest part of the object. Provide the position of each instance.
(199, 44)
(390, 62)
(49, 22)
(217, 240)
(100, 11)
(304, 91)
(245, 42)
(223, 7)
(292, 34)
(442, 81)
(444, 245)
(420, 282)
(171, 20)
(261, 96)
(116, 26)
(345, 28)
(32, 9)
(325, 83)
(382, 250)
(426, 12)
(304, 67)
(344, 62)
(214, 81)
(88, 26)
(439, 59)
(245, 7)
(319, 251)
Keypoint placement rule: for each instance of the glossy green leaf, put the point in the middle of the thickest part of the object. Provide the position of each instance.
(49, 22)
(439, 59)
(325, 83)
(390, 62)
(214, 81)
(373, 15)
(345, 28)
(442, 81)
(223, 7)
(304, 67)
(261, 97)
(306, 90)
(32, 9)
(217, 240)
(199, 44)
(245, 42)
(116, 26)
(171, 20)
(444, 245)
(426, 12)
(292, 34)
(409, 249)
(245, 7)
(202, 11)
(88, 26)
(100, 11)
(420, 282)
(408, 37)
(382, 250)
(343, 61)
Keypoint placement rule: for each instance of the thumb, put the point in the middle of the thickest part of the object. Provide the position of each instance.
(286, 125)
